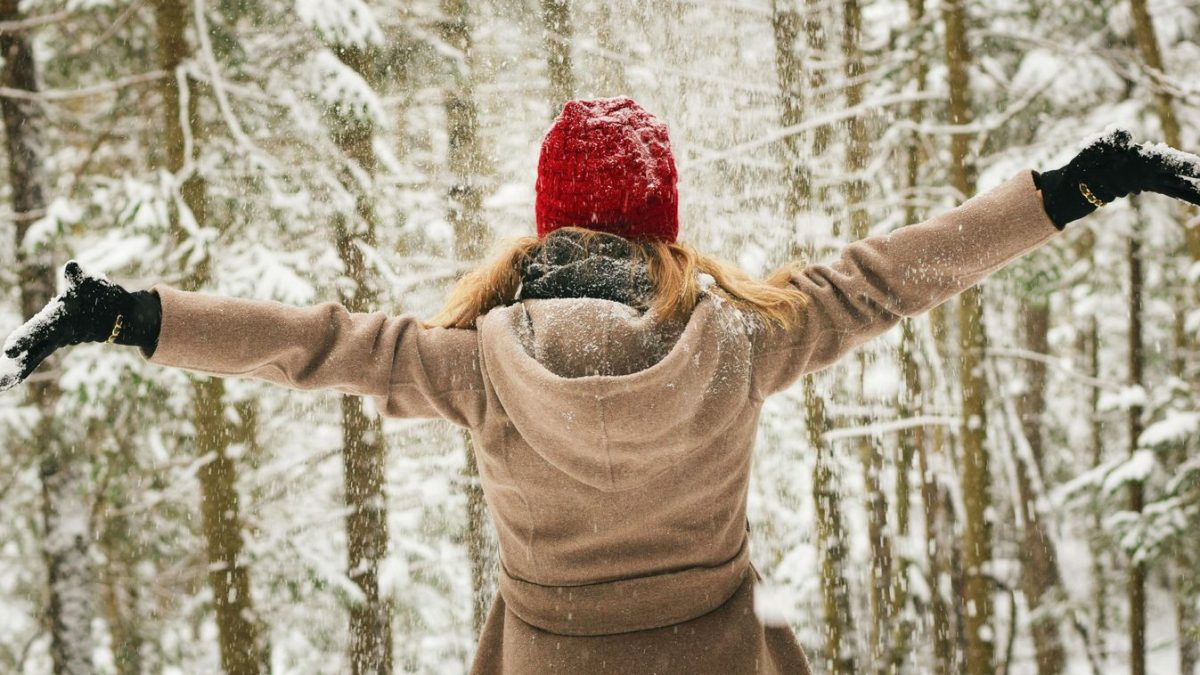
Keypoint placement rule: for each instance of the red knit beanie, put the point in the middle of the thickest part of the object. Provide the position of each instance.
(606, 165)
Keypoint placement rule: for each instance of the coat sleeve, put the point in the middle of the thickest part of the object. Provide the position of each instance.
(878, 280)
(410, 370)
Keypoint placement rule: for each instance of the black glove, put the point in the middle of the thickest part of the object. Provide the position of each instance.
(1112, 166)
(92, 309)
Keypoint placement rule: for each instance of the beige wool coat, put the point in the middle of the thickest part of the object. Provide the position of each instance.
(614, 449)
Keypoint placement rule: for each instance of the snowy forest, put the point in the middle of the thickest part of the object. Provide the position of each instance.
(1009, 484)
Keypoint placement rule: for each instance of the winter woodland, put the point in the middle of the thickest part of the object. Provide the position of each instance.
(1008, 484)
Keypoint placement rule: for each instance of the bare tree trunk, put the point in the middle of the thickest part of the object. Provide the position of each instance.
(831, 537)
(831, 530)
(916, 442)
(557, 27)
(1040, 582)
(1087, 346)
(1138, 568)
(785, 24)
(611, 71)
(242, 651)
(465, 199)
(1148, 45)
(976, 470)
(66, 546)
(814, 31)
(122, 594)
(882, 583)
(364, 456)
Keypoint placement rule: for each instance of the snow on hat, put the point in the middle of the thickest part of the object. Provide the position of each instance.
(606, 165)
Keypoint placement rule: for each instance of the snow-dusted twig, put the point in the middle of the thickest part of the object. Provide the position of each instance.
(1022, 457)
(813, 123)
(880, 428)
(663, 69)
(218, 85)
(110, 30)
(47, 95)
(1017, 353)
(19, 25)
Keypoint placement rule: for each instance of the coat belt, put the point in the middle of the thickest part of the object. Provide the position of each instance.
(625, 605)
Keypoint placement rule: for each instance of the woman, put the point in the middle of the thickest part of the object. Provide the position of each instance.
(612, 380)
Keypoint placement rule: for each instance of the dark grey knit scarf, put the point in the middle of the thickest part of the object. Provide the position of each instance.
(563, 266)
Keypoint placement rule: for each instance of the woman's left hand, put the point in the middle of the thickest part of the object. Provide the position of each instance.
(1113, 166)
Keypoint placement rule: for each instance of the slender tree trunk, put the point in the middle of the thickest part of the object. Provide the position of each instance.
(242, 651)
(557, 27)
(814, 30)
(1040, 582)
(1099, 575)
(611, 71)
(976, 458)
(831, 536)
(364, 456)
(66, 546)
(1138, 568)
(831, 530)
(1148, 45)
(1087, 346)
(916, 442)
(789, 71)
(121, 594)
(882, 589)
(465, 200)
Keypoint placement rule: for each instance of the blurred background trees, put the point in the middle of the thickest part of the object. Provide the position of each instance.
(1011, 483)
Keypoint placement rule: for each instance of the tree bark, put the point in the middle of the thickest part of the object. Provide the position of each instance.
(814, 31)
(1040, 582)
(789, 72)
(611, 71)
(1164, 104)
(66, 545)
(916, 442)
(557, 33)
(471, 239)
(882, 583)
(1137, 567)
(831, 530)
(242, 650)
(364, 456)
(831, 536)
(976, 458)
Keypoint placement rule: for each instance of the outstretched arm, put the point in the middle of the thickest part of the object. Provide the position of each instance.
(878, 280)
(412, 371)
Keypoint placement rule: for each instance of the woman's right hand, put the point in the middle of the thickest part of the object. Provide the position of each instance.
(91, 309)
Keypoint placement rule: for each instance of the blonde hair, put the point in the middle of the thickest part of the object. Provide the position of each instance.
(673, 269)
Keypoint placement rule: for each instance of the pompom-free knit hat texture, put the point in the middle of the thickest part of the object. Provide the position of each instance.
(606, 165)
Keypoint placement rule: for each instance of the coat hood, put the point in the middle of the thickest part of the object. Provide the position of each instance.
(611, 395)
